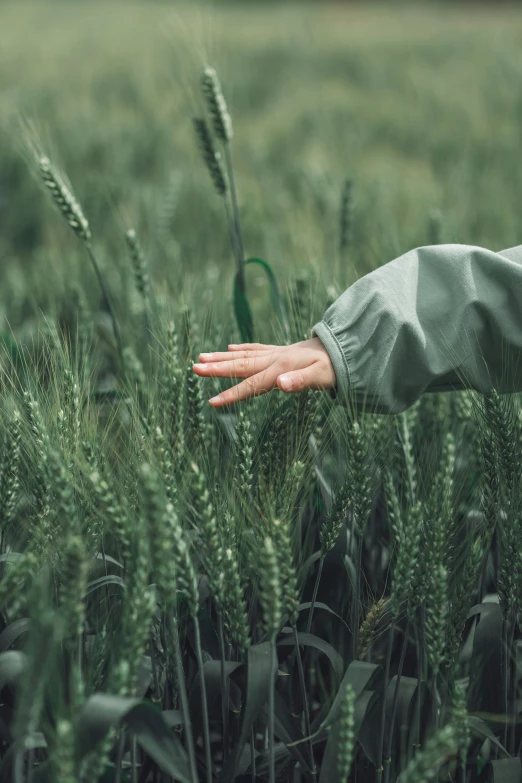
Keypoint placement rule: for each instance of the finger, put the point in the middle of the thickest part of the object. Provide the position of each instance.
(221, 356)
(237, 368)
(251, 387)
(311, 377)
(250, 346)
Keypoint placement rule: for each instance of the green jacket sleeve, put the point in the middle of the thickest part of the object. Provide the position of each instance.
(440, 317)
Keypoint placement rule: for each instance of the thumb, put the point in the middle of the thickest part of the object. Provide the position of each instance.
(298, 380)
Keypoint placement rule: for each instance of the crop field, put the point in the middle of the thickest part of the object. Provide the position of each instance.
(284, 589)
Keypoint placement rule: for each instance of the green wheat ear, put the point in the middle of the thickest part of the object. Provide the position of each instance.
(139, 265)
(345, 748)
(211, 156)
(439, 748)
(64, 199)
(271, 595)
(63, 756)
(217, 106)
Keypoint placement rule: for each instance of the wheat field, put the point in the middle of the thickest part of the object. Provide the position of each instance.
(280, 590)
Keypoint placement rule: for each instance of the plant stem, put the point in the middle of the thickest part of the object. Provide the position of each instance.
(204, 705)
(306, 710)
(419, 680)
(184, 701)
(271, 715)
(505, 636)
(394, 705)
(30, 766)
(314, 596)
(224, 688)
(119, 757)
(436, 715)
(236, 222)
(19, 766)
(109, 305)
(512, 648)
(252, 755)
(383, 707)
(234, 242)
(154, 668)
(134, 768)
(355, 638)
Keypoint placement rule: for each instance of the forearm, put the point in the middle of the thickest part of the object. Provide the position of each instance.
(439, 317)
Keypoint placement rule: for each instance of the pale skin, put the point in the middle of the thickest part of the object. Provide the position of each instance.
(290, 368)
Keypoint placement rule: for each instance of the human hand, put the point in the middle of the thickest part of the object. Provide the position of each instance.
(292, 368)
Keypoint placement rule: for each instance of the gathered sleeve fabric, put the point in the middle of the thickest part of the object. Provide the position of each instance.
(438, 318)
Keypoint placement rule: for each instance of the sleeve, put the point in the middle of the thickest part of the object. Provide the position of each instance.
(440, 317)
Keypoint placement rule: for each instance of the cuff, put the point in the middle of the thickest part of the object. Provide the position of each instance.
(338, 359)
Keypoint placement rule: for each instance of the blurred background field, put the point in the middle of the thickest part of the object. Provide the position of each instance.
(420, 104)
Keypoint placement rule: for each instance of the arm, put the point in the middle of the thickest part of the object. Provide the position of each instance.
(437, 318)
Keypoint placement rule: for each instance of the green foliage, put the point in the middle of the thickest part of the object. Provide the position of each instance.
(156, 555)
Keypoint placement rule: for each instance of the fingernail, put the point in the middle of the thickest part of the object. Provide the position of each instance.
(200, 366)
(232, 345)
(286, 382)
(219, 398)
(205, 355)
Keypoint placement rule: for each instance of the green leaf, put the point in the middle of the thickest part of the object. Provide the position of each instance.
(362, 676)
(275, 295)
(102, 711)
(212, 678)
(243, 313)
(309, 640)
(172, 718)
(12, 633)
(486, 685)
(110, 579)
(481, 731)
(242, 309)
(108, 559)
(318, 606)
(288, 731)
(405, 707)
(503, 771)
(10, 557)
(258, 684)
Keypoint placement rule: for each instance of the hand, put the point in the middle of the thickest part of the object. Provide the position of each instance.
(292, 368)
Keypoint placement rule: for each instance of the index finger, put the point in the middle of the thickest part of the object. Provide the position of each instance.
(250, 346)
(253, 386)
(220, 356)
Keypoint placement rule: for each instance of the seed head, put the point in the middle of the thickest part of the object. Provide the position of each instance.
(217, 106)
(65, 200)
(346, 733)
(211, 156)
(438, 749)
(139, 264)
(271, 597)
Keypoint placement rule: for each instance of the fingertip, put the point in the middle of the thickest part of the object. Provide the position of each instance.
(285, 382)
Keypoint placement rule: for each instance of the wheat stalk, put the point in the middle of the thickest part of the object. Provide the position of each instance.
(72, 212)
